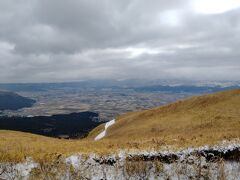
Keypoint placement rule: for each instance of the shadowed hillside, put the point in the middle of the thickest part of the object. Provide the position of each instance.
(13, 101)
(72, 125)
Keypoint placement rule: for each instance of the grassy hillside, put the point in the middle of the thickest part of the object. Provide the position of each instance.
(193, 122)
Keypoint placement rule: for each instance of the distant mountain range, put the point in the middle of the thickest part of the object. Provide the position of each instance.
(117, 84)
(13, 101)
(184, 88)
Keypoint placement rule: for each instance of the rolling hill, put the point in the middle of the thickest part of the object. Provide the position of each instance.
(192, 122)
(13, 101)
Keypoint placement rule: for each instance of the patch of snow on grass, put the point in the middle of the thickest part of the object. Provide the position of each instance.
(103, 134)
(74, 161)
(17, 171)
(24, 169)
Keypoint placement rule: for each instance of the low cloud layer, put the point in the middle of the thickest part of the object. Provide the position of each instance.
(59, 40)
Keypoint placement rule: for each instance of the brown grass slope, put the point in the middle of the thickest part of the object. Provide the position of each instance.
(195, 122)
(192, 122)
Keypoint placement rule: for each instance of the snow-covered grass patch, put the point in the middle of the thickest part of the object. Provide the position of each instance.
(212, 162)
(103, 134)
(208, 162)
(17, 171)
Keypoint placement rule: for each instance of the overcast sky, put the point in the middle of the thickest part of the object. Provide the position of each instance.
(69, 40)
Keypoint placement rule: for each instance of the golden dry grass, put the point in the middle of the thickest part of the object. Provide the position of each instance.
(192, 122)
(17, 146)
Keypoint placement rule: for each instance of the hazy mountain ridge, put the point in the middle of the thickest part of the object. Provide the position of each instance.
(135, 84)
(13, 101)
(185, 88)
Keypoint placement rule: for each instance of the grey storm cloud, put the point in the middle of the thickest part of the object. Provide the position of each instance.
(59, 40)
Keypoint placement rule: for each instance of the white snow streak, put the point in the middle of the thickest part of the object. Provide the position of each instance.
(103, 134)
